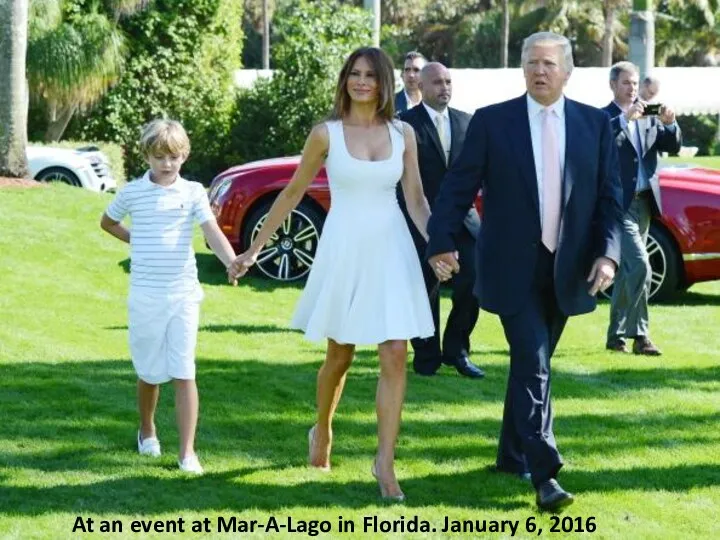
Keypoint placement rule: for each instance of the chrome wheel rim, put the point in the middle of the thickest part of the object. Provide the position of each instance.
(59, 177)
(658, 265)
(290, 252)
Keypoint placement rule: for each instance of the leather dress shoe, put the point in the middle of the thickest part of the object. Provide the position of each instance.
(550, 496)
(465, 367)
(643, 345)
(617, 345)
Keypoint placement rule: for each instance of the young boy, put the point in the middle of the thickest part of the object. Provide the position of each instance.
(165, 294)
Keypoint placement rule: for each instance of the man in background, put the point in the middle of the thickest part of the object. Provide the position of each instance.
(639, 137)
(410, 95)
(649, 89)
(440, 134)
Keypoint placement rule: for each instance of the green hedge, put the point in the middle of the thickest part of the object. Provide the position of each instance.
(312, 40)
(700, 130)
(113, 151)
(182, 56)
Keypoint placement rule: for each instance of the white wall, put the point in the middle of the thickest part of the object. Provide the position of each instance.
(693, 90)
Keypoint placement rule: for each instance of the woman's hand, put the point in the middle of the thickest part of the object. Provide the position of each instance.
(241, 264)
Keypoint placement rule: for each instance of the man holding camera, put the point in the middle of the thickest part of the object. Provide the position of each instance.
(641, 131)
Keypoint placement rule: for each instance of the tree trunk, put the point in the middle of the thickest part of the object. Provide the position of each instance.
(58, 121)
(642, 36)
(266, 35)
(13, 88)
(505, 37)
(608, 39)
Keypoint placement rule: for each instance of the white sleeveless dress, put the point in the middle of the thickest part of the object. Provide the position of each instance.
(366, 284)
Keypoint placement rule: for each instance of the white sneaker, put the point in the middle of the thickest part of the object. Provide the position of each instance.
(191, 464)
(149, 446)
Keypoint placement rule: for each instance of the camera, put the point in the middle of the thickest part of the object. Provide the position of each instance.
(652, 109)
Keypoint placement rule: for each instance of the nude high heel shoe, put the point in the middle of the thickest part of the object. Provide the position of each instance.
(383, 494)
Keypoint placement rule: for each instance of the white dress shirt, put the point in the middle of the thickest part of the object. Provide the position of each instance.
(446, 124)
(535, 116)
(410, 102)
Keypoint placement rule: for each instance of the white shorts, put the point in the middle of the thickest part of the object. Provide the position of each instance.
(162, 333)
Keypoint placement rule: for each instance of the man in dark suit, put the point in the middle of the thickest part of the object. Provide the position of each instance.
(639, 138)
(410, 95)
(549, 241)
(440, 133)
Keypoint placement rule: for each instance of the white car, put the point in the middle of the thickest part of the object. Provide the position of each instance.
(84, 167)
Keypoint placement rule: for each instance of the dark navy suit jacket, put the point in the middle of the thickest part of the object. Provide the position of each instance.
(401, 104)
(498, 157)
(431, 159)
(655, 138)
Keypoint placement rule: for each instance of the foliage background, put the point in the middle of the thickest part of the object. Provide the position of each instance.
(311, 41)
(182, 57)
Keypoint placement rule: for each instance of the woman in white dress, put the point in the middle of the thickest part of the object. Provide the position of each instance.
(366, 285)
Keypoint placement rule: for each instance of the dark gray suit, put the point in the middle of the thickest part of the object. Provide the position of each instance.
(533, 291)
(629, 305)
(464, 313)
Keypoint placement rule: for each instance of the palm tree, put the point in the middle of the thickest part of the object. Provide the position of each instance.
(595, 25)
(505, 34)
(688, 32)
(13, 88)
(73, 60)
(610, 9)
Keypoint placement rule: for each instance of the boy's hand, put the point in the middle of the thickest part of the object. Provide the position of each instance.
(232, 280)
(241, 264)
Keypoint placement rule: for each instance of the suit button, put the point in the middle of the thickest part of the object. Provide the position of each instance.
(634, 179)
(635, 160)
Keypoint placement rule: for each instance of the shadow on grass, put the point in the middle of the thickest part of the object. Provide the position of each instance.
(212, 272)
(235, 328)
(691, 298)
(241, 398)
(232, 490)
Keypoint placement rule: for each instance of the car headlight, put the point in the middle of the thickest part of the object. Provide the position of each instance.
(222, 189)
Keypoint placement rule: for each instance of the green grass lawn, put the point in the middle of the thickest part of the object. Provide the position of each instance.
(640, 436)
(711, 162)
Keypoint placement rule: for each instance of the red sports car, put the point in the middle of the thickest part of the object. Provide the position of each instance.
(684, 243)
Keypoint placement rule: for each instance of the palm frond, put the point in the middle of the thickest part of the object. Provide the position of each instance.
(123, 8)
(44, 15)
(75, 63)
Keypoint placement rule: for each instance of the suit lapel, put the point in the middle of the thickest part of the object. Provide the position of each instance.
(614, 111)
(518, 130)
(431, 130)
(454, 135)
(573, 147)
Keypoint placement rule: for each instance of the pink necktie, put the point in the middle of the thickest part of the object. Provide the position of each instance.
(552, 187)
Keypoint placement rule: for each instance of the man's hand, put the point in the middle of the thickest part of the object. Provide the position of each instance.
(601, 275)
(667, 115)
(444, 265)
(635, 111)
(241, 264)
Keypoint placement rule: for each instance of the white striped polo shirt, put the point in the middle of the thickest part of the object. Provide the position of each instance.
(162, 260)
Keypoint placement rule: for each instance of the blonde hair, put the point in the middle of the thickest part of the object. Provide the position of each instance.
(164, 137)
(548, 37)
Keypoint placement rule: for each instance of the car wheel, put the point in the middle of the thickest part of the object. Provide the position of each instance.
(290, 252)
(664, 263)
(58, 174)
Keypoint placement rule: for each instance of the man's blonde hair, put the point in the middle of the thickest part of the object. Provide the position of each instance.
(164, 137)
